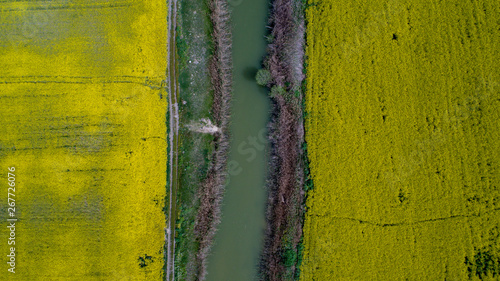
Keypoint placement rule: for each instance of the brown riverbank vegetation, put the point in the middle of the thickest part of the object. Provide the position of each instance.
(212, 189)
(283, 66)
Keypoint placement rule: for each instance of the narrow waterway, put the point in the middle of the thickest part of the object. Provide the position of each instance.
(240, 236)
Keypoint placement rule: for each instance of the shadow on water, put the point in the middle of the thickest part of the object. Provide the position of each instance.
(249, 73)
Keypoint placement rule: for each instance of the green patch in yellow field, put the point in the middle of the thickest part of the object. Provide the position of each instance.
(83, 112)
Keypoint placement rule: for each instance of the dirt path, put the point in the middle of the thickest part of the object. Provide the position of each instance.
(173, 136)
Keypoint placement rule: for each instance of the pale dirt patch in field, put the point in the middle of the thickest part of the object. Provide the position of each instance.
(204, 126)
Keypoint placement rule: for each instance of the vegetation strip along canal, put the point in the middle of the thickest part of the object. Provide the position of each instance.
(173, 90)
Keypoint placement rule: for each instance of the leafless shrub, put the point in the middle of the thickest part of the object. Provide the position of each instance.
(286, 177)
(212, 189)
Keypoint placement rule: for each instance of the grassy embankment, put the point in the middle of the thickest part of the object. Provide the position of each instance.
(204, 44)
(403, 136)
(288, 176)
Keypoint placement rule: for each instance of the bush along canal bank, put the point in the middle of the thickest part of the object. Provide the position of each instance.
(283, 73)
(204, 57)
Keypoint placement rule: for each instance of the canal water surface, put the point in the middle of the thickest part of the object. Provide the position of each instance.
(239, 239)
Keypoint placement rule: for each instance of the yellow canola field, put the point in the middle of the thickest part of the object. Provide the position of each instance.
(83, 115)
(403, 135)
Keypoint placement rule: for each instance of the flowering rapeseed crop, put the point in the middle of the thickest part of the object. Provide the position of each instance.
(83, 123)
(403, 136)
